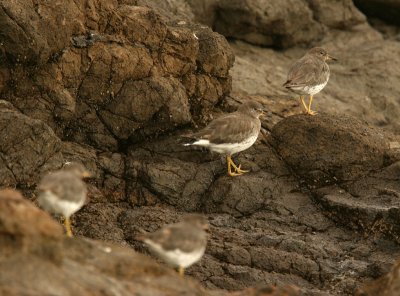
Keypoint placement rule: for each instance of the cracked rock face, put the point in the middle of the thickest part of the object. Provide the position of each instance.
(114, 85)
(135, 75)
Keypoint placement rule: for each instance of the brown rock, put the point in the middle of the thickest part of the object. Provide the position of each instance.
(27, 230)
(27, 146)
(269, 291)
(386, 285)
(33, 33)
(33, 246)
(387, 10)
(279, 24)
(337, 14)
(328, 149)
(92, 89)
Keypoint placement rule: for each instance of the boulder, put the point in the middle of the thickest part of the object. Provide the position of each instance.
(329, 149)
(278, 24)
(33, 247)
(387, 10)
(28, 148)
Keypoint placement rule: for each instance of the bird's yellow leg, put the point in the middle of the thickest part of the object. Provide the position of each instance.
(181, 271)
(238, 171)
(309, 111)
(229, 164)
(67, 225)
(304, 104)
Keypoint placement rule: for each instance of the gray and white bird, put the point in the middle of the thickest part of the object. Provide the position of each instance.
(63, 192)
(309, 75)
(231, 133)
(181, 244)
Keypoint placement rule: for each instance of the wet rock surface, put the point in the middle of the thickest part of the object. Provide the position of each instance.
(318, 212)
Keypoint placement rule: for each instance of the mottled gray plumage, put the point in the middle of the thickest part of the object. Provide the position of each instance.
(232, 128)
(187, 236)
(308, 72)
(65, 185)
(309, 75)
(59, 189)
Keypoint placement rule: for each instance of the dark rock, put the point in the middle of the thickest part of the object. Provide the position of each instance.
(282, 24)
(387, 10)
(118, 82)
(386, 285)
(337, 14)
(125, 79)
(33, 246)
(27, 230)
(28, 147)
(32, 33)
(328, 149)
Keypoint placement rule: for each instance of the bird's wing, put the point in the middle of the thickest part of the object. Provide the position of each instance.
(64, 185)
(304, 72)
(175, 236)
(226, 129)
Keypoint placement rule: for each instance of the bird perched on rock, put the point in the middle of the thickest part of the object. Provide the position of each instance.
(63, 192)
(231, 133)
(309, 75)
(181, 244)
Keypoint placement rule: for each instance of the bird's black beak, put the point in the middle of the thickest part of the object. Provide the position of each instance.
(263, 113)
(331, 58)
(86, 174)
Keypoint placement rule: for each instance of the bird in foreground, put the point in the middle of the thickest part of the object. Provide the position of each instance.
(231, 133)
(309, 75)
(63, 192)
(181, 244)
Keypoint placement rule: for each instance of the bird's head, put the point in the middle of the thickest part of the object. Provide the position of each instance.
(321, 54)
(196, 219)
(77, 169)
(252, 107)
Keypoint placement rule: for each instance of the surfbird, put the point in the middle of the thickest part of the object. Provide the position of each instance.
(309, 75)
(181, 244)
(231, 133)
(63, 192)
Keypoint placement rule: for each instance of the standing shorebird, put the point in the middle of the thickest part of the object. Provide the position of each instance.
(181, 244)
(63, 192)
(309, 75)
(231, 133)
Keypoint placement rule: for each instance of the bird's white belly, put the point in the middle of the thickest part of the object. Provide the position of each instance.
(176, 257)
(312, 90)
(309, 90)
(54, 204)
(228, 148)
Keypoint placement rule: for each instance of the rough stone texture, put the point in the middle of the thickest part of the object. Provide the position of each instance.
(37, 259)
(269, 23)
(327, 149)
(387, 285)
(102, 82)
(125, 79)
(26, 229)
(337, 14)
(27, 147)
(278, 24)
(363, 84)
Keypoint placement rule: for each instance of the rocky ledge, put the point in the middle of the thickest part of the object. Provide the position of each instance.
(114, 84)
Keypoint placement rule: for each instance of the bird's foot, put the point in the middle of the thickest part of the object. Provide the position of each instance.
(240, 171)
(311, 112)
(237, 171)
(234, 174)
